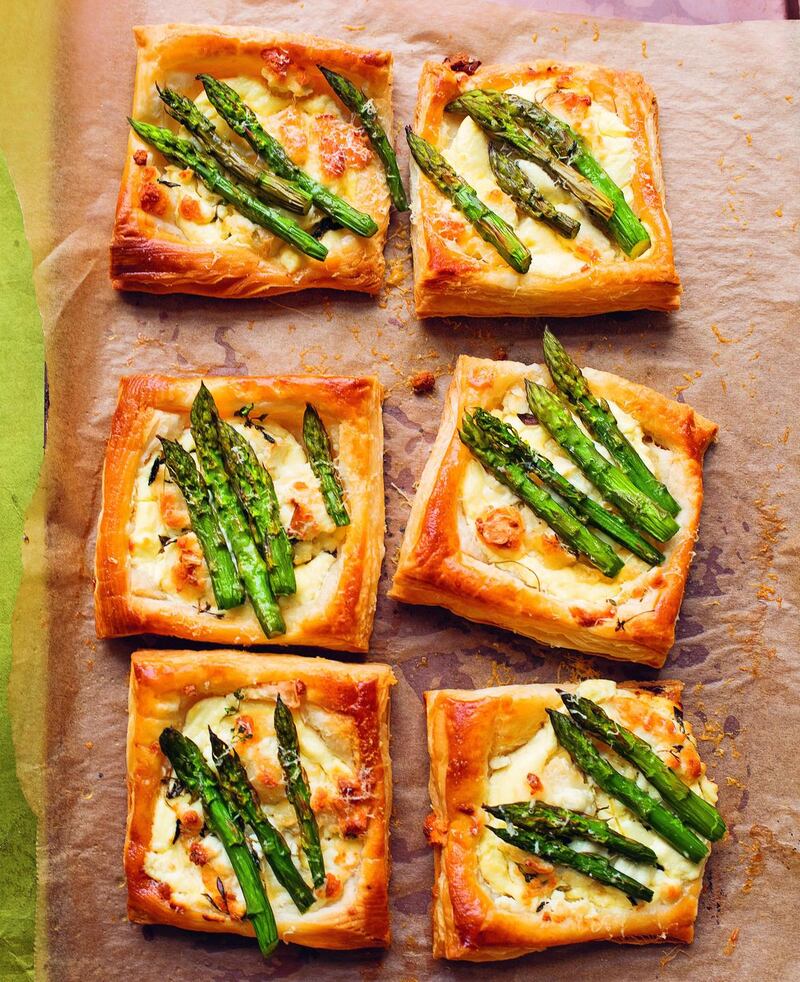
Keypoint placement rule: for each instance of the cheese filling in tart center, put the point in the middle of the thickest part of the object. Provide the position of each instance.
(466, 148)
(533, 553)
(193, 863)
(541, 769)
(165, 556)
(315, 135)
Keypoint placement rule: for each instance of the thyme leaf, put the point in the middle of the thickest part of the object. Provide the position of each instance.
(154, 469)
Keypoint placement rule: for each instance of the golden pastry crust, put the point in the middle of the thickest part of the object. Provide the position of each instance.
(341, 615)
(449, 280)
(435, 568)
(165, 685)
(151, 254)
(466, 729)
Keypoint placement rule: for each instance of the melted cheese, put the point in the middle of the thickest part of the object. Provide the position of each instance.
(563, 784)
(467, 150)
(553, 571)
(169, 856)
(203, 217)
(155, 533)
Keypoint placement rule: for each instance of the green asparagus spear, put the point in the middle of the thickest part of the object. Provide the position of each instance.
(506, 439)
(564, 523)
(526, 195)
(651, 812)
(185, 153)
(243, 120)
(320, 456)
(491, 227)
(298, 791)
(497, 120)
(549, 820)
(364, 108)
(693, 809)
(225, 582)
(236, 785)
(272, 189)
(230, 514)
(197, 777)
(608, 479)
(568, 146)
(590, 864)
(596, 416)
(253, 484)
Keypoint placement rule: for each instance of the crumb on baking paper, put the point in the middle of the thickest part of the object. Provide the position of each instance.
(749, 138)
(422, 383)
(784, 437)
(755, 862)
(355, 27)
(596, 35)
(730, 944)
(779, 212)
(737, 115)
(673, 953)
(720, 337)
(534, 38)
(644, 49)
(500, 675)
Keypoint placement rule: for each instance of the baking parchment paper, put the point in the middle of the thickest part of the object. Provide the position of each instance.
(728, 99)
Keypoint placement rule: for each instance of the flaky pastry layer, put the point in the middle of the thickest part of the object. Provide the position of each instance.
(436, 565)
(456, 273)
(340, 614)
(149, 250)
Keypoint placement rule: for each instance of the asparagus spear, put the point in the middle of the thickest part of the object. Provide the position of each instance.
(623, 225)
(320, 456)
(197, 777)
(273, 189)
(608, 479)
(491, 227)
(298, 791)
(497, 120)
(230, 514)
(651, 812)
(549, 820)
(567, 527)
(185, 153)
(590, 864)
(693, 809)
(364, 108)
(225, 582)
(236, 785)
(506, 439)
(253, 484)
(243, 120)
(512, 180)
(596, 416)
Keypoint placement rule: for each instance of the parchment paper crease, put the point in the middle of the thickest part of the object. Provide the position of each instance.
(728, 98)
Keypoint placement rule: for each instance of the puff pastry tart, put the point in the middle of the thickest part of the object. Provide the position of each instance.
(285, 541)
(526, 166)
(176, 233)
(569, 862)
(530, 543)
(179, 871)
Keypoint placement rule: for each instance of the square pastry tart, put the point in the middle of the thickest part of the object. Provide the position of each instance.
(180, 872)
(568, 861)
(535, 143)
(176, 233)
(481, 539)
(258, 518)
